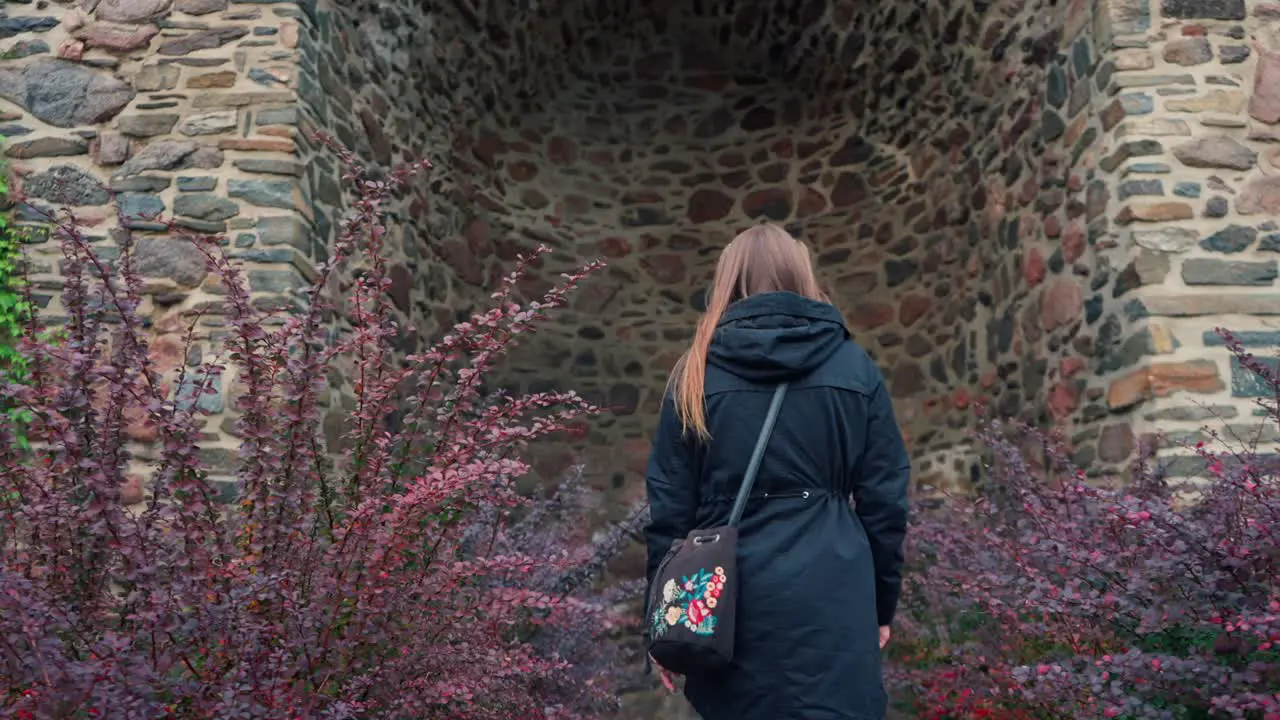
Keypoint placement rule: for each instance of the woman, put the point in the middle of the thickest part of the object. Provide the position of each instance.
(818, 579)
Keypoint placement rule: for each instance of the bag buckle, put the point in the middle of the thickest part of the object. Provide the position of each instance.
(703, 539)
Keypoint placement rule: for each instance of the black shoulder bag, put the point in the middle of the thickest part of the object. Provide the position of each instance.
(692, 602)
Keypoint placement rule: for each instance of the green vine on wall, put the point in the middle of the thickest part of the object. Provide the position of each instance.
(14, 307)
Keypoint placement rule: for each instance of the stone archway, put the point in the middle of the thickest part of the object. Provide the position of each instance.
(1040, 206)
(901, 144)
(976, 179)
(1037, 205)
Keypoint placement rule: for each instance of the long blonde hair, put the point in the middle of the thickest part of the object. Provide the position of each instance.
(763, 259)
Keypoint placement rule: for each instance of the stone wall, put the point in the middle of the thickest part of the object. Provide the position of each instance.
(180, 107)
(1192, 159)
(1037, 208)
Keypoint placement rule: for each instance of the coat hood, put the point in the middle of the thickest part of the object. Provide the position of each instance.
(775, 337)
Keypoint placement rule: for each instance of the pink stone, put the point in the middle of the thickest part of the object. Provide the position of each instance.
(1062, 400)
(71, 50)
(168, 353)
(111, 148)
(595, 295)
(1052, 226)
(131, 490)
(913, 308)
(401, 287)
(458, 256)
(1069, 367)
(872, 315)
(114, 38)
(478, 238)
(811, 203)
(850, 189)
(665, 268)
(562, 151)
(1260, 195)
(132, 11)
(522, 171)
(1060, 304)
(774, 203)
(488, 147)
(1073, 242)
(707, 205)
(1264, 103)
(1033, 267)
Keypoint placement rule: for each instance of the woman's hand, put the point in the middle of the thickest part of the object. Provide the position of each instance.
(884, 636)
(668, 677)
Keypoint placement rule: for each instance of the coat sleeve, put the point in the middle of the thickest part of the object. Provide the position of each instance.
(880, 497)
(672, 487)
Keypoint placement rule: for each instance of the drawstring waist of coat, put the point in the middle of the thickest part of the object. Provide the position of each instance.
(781, 495)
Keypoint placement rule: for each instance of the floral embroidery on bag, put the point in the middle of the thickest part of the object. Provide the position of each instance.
(690, 602)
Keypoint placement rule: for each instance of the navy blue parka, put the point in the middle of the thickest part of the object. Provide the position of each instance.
(818, 574)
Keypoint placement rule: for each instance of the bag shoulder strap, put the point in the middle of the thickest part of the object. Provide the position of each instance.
(748, 480)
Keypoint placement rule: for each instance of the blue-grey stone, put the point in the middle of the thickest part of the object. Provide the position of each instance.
(176, 259)
(1187, 189)
(283, 116)
(269, 166)
(263, 193)
(1056, 86)
(140, 209)
(1203, 9)
(1248, 338)
(1130, 188)
(65, 94)
(1130, 17)
(191, 393)
(899, 271)
(32, 212)
(205, 206)
(1102, 78)
(139, 183)
(1137, 103)
(1217, 207)
(67, 185)
(1270, 243)
(1136, 310)
(1093, 309)
(197, 184)
(279, 281)
(1130, 149)
(1051, 125)
(266, 255)
(1148, 168)
(9, 131)
(262, 77)
(1247, 384)
(283, 231)
(1233, 54)
(1081, 57)
(211, 227)
(14, 26)
(1211, 271)
(27, 48)
(1231, 239)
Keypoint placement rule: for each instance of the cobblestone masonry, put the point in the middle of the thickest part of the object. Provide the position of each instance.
(1044, 207)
